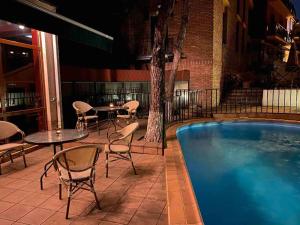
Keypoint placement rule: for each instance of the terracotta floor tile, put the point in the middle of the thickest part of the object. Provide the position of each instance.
(5, 191)
(5, 205)
(18, 184)
(49, 188)
(140, 189)
(157, 194)
(33, 186)
(16, 212)
(84, 195)
(35, 199)
(121, 218)
(152, 206)
(16, 196)
(163, 220)
(6, 222)
(53, 203)
(36, 216)
(76, 207)
(85, 221)
(6, 180)
(144, 218)
(58, 218)
(108, 223)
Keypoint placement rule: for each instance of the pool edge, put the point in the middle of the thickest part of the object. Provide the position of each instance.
(181, 201)
(182, 204)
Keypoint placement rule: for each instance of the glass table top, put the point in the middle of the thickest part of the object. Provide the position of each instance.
(56, 136)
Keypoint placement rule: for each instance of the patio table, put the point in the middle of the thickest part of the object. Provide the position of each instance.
(111, 110)
(56, 138)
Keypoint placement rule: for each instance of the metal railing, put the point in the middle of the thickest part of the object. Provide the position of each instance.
(97, 94)
(20, 101)
(279, 30)
(189, 104)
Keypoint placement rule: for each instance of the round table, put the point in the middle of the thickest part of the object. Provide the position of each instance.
(110, 114)
(55, 137)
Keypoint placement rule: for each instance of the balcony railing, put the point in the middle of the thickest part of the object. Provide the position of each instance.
(280, 31)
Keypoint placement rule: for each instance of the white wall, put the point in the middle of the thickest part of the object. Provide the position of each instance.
(283, 97)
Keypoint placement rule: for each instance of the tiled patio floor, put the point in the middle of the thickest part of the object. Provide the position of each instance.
(125, 198)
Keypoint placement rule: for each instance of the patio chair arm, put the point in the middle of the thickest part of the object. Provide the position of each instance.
(96, 111)
(22, 134)
(113, 142)
(110, 138)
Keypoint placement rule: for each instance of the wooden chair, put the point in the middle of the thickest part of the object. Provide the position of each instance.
(76, 170)
(8, 130)
(120, 145)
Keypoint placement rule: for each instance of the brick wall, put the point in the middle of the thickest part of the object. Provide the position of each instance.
(198, 45)
(205, 56)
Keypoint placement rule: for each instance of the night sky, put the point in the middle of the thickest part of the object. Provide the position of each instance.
(297, 7)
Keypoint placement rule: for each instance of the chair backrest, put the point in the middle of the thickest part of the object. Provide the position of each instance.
(128, 131)
(132, 106)
(81, 107)
(77, 159)
(8, 129)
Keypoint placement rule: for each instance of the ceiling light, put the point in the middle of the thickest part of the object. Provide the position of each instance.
(22, 27)
(23, 53)
(11, 52)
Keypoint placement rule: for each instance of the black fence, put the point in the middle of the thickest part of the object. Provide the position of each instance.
(97, 94)
(189, 104)
(20, 101)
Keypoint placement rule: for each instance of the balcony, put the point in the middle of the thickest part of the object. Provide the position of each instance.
(276, 32)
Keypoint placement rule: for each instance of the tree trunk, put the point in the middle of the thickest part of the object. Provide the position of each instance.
(177, 54)
(157, 74)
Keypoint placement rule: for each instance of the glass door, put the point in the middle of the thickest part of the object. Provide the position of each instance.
(20, 77)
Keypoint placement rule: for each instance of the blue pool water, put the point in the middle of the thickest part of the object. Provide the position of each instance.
(244, 173)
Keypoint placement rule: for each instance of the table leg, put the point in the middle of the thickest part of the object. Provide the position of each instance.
(47, 166)
(111, 121)
(50, 163)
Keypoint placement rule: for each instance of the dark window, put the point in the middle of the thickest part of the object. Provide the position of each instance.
(237, 37)
(14, 58)
(225, 18)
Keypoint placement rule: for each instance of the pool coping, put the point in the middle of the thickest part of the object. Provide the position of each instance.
(182, 204)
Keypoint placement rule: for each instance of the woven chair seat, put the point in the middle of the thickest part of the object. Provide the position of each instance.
(123, 116)
(76, 176)
(10, 146)
(116, 148)
(89, 117)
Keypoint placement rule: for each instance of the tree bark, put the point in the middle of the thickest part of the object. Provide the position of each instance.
(177, 54)
(157, 74)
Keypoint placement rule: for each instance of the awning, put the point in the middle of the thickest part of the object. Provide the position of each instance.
(36, 17)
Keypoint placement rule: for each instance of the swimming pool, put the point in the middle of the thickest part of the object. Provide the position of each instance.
(244, 173)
